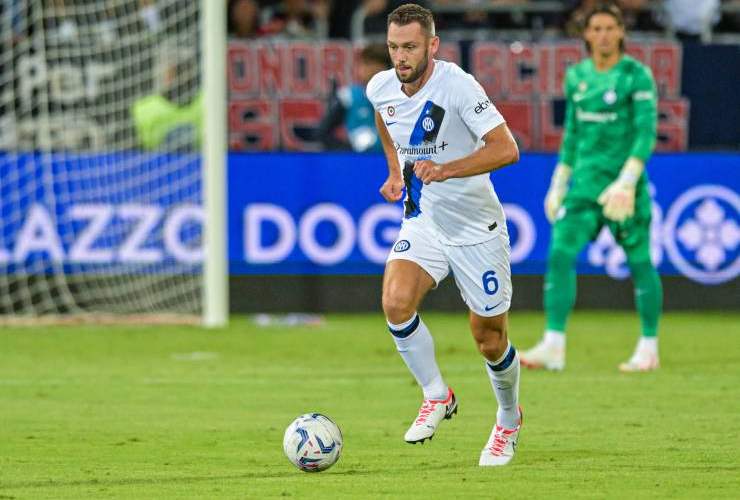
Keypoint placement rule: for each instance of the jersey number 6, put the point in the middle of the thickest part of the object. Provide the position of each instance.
(490, 283)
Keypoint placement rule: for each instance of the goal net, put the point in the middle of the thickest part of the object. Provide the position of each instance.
(100, 181)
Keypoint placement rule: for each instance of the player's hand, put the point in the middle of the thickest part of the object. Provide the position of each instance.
(557, 191)
(428, 171)
(553, 201)
(618, 201)
(392, 188)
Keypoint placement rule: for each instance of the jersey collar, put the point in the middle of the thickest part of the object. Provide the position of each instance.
(424, 87)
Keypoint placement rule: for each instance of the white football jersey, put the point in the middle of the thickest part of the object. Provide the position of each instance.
(445, 120)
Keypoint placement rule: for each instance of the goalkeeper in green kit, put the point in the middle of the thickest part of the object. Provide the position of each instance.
(610, 132)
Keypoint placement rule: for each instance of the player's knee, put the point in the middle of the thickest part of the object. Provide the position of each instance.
(644, 273)
(640, 265)
(639, 259)
(491, 340)
(398, 306)
(559, 258)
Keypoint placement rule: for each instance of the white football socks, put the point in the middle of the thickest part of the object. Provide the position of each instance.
(504, 375)
(415, 344)
(555, 338)
(647, 344)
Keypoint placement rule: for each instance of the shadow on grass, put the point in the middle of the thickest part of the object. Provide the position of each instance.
(52, 483)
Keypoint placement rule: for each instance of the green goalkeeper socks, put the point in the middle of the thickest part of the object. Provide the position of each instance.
(648, 296)
(560, 292)
(560, 289)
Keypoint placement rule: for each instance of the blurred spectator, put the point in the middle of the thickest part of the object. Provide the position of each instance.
(149, 14)
(339, 15)
(730, 20)
(515, 18)
(15, 11)
(636, 15)
(471, 18)
(577, 17)
(59, 23)
(533, 16)
(690, 19)
(243, 17)
(298, 19)
(171, 119)
(370, 20)
(349, 107)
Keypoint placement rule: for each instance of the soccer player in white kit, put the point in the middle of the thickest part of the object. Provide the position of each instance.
(442, 136)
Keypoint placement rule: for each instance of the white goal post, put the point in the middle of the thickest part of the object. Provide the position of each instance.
(112, 161)
(215, 269)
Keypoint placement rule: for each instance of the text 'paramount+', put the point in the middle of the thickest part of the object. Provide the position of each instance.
(421, 150)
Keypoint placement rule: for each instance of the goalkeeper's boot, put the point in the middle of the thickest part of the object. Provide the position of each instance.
(501, 445)
(431, 413)
(544, 355)
(643, 360)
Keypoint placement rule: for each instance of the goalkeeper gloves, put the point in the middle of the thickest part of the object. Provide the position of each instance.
(556, 193)
(618, 199)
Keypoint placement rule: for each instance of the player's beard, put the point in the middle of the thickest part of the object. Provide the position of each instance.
(419, 70)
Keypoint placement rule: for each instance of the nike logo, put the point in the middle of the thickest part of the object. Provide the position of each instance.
(388, 124)
(491, 308)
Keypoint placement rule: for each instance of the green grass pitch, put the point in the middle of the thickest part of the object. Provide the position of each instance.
(177, 412)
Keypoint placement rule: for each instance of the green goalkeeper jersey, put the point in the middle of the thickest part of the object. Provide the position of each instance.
(610, 116)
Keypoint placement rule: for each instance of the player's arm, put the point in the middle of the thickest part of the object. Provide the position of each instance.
(618, 199)
(499, 150)
(392, 188)
(483, 120)
(644, 104)
(563, 170)
(568, 145)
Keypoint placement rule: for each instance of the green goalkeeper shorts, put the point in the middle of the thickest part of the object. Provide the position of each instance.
(581, 221)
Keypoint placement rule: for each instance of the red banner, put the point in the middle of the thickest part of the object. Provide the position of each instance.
(278, 91)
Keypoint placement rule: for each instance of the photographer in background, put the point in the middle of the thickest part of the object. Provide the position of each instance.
(349, 107)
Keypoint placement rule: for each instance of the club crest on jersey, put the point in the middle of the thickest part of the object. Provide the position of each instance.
(582, 87)
(610, 97)
(427, 125)
(402, 246)
(391, 111)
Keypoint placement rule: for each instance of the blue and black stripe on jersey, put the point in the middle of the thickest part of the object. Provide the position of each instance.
(413, 190)
(425, 131)
(427, 125)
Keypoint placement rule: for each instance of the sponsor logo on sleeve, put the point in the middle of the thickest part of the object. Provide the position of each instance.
(482, 106)
(643, 95)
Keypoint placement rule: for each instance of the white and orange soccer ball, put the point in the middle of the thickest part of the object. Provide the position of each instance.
(313, 442)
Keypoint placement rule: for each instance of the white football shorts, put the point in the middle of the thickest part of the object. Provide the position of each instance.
(482, 271)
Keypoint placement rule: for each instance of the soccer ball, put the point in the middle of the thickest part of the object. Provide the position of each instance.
(312, 442)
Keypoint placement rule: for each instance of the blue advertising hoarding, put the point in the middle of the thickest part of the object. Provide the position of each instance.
(322, 214)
